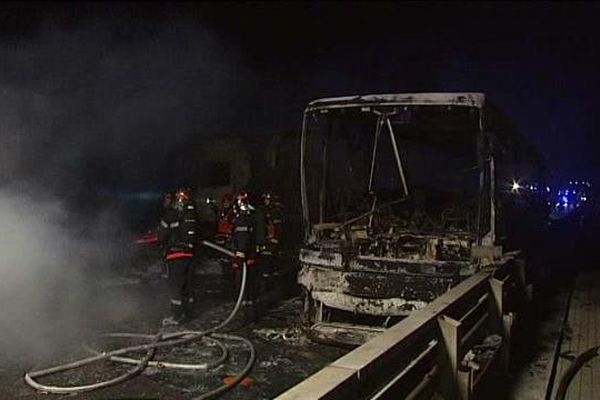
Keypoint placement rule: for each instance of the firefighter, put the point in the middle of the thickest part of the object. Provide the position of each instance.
(270, 239)
(166, 204)
(224, 233)
(244, 244)
(178, 234)
(226, 221)
(168, 199)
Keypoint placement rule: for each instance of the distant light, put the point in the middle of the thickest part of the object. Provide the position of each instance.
(515, 186)
(570, 182)
(547, 189)
(584, 198)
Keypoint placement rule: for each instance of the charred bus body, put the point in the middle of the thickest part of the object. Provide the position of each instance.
(400, 198)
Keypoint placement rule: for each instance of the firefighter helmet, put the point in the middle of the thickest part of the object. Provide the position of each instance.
(242, 203)
(182, 197)
(267, 197)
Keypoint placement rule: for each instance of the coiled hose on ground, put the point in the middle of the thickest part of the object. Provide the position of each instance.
(158, 340)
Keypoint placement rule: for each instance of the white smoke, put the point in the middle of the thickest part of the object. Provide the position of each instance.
(51, 266)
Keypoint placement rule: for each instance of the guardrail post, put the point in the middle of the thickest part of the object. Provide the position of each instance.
(450, 385)
(497, 305)
(465, 382)
(507, 324)
(504, 321)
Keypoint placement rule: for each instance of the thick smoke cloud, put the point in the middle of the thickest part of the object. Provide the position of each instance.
(87, 108)
(51, 268)
(107, 101)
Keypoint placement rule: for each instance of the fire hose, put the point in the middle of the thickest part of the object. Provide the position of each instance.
(156, 341)
(573, 369)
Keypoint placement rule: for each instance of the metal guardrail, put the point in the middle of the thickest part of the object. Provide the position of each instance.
(424, 354)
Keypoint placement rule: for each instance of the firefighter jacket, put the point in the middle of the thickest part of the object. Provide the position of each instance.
(178, 232)
(225, 226)
(247, 230)
(270, 238)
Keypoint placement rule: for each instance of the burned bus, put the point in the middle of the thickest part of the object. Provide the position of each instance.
(400, 199)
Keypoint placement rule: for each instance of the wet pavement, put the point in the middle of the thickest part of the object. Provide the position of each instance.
(566, 298)
(284, 355)
(581, 334)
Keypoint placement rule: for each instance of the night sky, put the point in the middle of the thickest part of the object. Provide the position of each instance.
(104, 93)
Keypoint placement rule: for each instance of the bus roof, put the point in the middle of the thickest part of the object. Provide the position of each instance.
(457, 99)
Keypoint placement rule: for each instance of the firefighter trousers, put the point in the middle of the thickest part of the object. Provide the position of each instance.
(181, 273)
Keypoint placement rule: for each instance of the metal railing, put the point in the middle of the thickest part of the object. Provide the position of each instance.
(424, 354)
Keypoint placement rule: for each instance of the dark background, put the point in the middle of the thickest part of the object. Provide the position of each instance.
(102, 94)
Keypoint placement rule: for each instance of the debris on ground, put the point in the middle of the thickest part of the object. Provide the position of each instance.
(246, 382)
(482, 353)
(290, 335)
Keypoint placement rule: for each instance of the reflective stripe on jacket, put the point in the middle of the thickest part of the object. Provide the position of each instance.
(179, 254)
